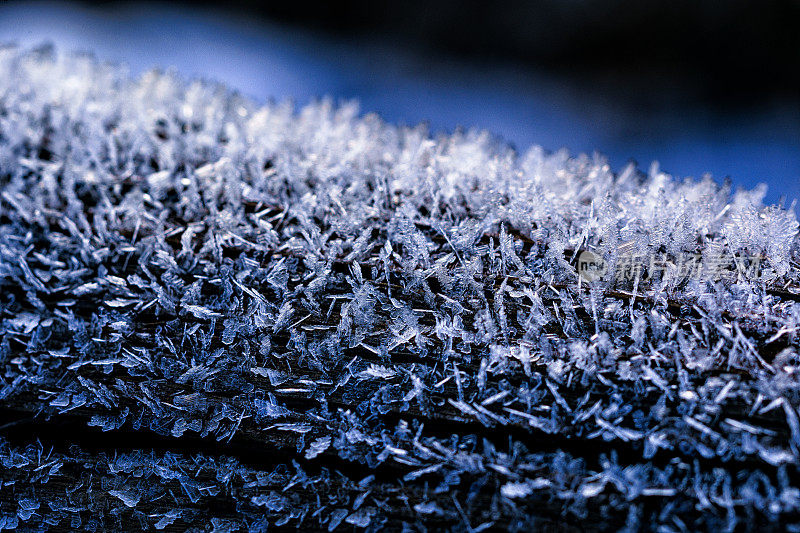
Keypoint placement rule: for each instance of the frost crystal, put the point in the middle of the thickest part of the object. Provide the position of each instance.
(128, 497)
(255, 316)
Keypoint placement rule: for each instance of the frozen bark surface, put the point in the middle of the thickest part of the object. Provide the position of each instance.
(227, 316)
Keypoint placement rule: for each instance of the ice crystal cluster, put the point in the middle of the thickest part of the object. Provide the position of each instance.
(228, 316)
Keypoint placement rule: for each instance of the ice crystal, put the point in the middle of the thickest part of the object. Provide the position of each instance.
(128, 497)
(369, 300)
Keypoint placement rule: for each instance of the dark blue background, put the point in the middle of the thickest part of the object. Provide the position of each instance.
(266, 60)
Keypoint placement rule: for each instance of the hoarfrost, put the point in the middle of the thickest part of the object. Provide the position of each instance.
(176, 258)
(128, 497)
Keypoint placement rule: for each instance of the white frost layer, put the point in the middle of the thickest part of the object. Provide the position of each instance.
(326, 242)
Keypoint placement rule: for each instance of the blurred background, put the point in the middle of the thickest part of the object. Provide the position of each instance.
(700, 86)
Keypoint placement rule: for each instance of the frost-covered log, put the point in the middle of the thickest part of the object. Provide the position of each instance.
(227, 316)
